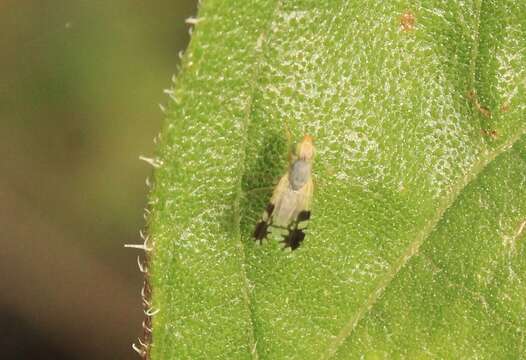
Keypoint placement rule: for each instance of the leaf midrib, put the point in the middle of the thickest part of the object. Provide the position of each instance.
(260, 42)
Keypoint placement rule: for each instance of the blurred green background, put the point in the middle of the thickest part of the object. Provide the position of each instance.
(80, 84)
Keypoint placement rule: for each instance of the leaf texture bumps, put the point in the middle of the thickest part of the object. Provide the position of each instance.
(416, 243)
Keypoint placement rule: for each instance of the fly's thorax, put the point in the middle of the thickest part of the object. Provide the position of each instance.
(299, 173)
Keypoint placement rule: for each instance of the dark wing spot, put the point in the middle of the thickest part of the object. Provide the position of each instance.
(303, 216)
(295, 236)
(261, 231)
(293, 239)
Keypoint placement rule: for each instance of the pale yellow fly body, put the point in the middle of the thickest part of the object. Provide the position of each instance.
(291, 199)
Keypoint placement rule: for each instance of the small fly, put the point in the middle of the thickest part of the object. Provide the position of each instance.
(289, 206)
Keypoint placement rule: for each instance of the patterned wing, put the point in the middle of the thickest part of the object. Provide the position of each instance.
(261, 231)
(296, 233)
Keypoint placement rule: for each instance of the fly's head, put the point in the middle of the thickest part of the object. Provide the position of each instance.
(305, 148)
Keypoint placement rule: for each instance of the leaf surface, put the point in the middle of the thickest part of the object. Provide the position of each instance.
(416, 244)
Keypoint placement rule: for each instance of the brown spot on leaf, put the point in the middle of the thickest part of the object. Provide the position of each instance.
(483, 110)
(407, 21)
(505, 107)
(490, 133)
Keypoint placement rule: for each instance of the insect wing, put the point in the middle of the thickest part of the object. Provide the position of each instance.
(289, 206)
(296, 233)
(262, 228)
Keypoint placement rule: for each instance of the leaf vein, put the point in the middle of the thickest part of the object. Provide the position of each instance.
(413, 248)
(246, 122)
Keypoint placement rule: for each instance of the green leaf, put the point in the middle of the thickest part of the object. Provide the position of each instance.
(415, 248)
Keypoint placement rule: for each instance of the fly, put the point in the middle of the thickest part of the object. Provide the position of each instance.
(289, 206)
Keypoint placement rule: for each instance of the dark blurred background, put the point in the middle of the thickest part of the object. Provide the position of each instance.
(80, 84)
